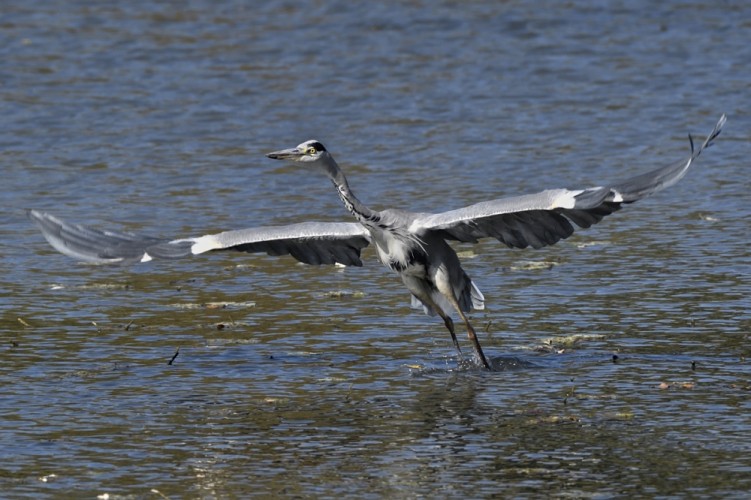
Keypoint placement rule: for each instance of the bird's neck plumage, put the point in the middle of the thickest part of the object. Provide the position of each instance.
(357, 208)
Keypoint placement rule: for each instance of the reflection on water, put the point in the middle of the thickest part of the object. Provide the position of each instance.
(622, 351)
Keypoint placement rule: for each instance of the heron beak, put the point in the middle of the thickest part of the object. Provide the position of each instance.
(285, 154)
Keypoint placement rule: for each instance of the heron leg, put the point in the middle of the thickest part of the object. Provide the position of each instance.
(428, 301)
(421, 290)
(476, 344)
(471, 333)
(450, 326)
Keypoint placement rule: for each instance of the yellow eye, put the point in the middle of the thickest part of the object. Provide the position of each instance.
(311, 151)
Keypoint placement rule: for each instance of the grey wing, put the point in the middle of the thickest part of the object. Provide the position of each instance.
(308, 242)
(544, 218)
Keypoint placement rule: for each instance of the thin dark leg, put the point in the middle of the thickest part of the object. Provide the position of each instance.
(471, 333)
(450, 326)
(475, 343)
(425, 298)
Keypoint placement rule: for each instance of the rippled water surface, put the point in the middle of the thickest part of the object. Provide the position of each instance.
(623, 350)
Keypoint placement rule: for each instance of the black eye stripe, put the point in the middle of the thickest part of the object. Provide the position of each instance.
(317, 146)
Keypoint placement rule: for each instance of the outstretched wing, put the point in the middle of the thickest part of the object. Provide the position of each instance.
(308, 242)
(542, 219)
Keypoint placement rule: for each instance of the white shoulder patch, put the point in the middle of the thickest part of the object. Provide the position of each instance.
(566, 199)
(205, 244)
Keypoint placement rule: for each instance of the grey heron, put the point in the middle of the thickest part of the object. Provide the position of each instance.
(414, 245)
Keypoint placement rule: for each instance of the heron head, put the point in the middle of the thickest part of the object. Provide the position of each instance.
(308, 151)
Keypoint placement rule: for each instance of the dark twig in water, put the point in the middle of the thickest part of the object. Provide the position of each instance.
(177, 352)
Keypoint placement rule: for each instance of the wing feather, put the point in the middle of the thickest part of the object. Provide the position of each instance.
(545, 218)
(308, 242)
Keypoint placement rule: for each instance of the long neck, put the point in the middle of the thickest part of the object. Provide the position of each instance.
(357, 208)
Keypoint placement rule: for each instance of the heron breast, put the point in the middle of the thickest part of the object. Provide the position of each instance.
(407, 261)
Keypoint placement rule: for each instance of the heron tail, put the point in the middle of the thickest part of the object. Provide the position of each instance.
(471, 297)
